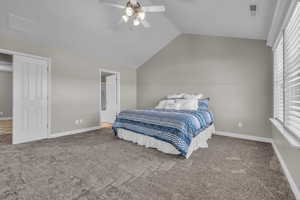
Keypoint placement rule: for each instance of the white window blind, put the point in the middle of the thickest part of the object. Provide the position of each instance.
(278, 81)
(291, 74)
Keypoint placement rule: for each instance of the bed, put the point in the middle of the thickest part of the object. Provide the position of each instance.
(171, 131)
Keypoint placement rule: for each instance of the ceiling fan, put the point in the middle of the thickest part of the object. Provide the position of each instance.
(133, 10)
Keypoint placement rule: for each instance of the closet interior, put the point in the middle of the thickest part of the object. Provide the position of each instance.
(6, 98)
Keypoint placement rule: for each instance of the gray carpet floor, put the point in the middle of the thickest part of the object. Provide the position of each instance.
(98, 166)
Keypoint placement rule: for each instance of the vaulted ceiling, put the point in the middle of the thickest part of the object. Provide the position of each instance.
(229, 18)
(90, 28)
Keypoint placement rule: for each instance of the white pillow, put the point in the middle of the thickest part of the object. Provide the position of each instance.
(187, 104)
(192, 96)
(189, 96)
(162, 104)
(172, 106)
(199, 96)
(175, 96)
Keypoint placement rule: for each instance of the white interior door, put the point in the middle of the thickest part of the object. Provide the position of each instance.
(30, 91)
(109, 114)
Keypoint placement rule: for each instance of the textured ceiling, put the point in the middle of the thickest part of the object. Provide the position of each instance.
(87, 27)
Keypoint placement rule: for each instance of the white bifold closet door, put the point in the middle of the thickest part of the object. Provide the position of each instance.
(30, 91)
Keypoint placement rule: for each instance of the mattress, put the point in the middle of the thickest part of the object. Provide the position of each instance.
(177, 127)
(199, 141)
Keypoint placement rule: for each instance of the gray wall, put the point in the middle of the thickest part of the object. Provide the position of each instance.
(290, 155)
(75, 84)
(235, 73)
(6, 94)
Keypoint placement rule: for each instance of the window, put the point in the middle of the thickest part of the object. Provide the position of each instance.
(287, 75)
(292, 73)
(278, 81)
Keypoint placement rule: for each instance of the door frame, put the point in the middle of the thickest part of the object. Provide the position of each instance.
(49, 95)
(118, 89)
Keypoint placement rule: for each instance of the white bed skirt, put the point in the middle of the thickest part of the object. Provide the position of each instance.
(200, 141)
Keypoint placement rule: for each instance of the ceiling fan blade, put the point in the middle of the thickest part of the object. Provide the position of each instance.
(121, 21)
(112, 4)
(145, 23)
(154, 9)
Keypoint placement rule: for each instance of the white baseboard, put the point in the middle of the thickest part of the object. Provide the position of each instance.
(65, 133)
(5, 118)
(244, 137)
(287, 173)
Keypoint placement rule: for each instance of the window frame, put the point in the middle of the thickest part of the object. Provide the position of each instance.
(292, 136)
(275, 81)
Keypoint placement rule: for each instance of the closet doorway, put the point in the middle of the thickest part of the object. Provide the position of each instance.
(25, 109)
(6, 98)
(109, 97)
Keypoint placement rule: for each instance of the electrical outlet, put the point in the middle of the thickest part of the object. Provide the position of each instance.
(240, 124)
(77, 121)
(1, 113)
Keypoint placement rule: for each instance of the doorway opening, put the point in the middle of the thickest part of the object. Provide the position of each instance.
(6, 98)
(109, 97)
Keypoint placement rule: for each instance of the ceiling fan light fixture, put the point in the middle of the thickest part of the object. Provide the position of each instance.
(136, 22)
(134, 12)
(129, 11)
(125, 18)
(253, 10)
(142, 15)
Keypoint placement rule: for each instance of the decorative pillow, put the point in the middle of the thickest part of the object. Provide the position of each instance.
(187, 104)
(199, 96)
(175, 96)
(162, 104)
(189, 96)
(172, 106)
(203, 103)
(192, 96)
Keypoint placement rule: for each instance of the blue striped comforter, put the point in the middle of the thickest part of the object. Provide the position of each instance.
(176, 127)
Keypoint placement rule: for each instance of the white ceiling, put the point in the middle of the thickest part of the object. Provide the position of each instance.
(89, 28)
(230, 18)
